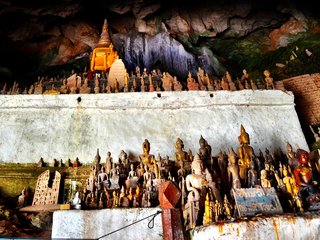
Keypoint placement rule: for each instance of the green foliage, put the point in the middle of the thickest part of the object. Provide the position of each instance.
(251, 53)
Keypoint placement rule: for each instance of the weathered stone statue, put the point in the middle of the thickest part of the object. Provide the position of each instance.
(146, 157)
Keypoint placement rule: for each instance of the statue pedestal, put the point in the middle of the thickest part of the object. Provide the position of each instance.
(285, 226)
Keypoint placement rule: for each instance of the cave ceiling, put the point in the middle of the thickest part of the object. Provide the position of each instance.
(45, 37)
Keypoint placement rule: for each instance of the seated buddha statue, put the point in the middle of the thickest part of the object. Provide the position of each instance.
(245, 152)
(180, 155)
(146, 157)
(304, 178)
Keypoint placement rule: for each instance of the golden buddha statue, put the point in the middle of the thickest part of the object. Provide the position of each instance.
(103, 55)
(180, 154)
(145, 157)
(245, 152)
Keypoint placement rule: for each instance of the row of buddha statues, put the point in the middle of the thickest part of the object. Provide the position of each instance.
(139, 82)
(206, 182)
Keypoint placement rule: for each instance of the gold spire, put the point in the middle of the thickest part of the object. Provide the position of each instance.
(104, 40)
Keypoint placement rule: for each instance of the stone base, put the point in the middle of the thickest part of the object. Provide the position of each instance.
(75, 125)
(286, 226)
(93, 224)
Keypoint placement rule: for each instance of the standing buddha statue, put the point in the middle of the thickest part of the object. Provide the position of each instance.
(245, 152)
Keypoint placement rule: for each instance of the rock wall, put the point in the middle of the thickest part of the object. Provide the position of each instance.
(70, 126)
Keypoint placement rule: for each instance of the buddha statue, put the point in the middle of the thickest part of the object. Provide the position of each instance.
(245, 153)
(209, 82)
(233, 171)
(304, 178)
(102, 179)
(180, 154)
(108, 164)
(96, 164)
(151, 86)
(288, 181)
(191, 83)
(166, 81)
(264, 181)
(64, 87)
(146, 157)
(291, 156)
(268, 80)
(203, 150)
(252, 175)
(176, 84)
(85, 88)
(224, 84)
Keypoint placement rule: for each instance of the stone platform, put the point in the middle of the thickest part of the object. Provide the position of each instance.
(304, 227)
(93, 224)
(70, 126)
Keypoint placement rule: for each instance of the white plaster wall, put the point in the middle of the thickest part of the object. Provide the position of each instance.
(57, 126)
(305, 227)
(93, 224)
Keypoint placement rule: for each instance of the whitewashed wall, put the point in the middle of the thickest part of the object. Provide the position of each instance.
(58, 126)
(93, 224)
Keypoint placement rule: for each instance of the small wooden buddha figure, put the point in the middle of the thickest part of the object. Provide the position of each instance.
(264, 181)
(191, 83)
(245, 153)
(233, 171)
(85, 88)
(227, 208)
(291, 156)
(146, 157)
(268, 80)
(207, 217)
(288, 181)
(180, 154)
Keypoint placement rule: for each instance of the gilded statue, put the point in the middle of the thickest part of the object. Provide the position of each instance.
(245, 153)
(146, 157)
(180, 154)
(264, 181)
(233, 171)
(288, 181)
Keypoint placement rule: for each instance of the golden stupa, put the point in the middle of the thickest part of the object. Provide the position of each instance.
(103, 54)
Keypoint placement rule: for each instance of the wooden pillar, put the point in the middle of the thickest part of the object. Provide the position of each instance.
(172, 220)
